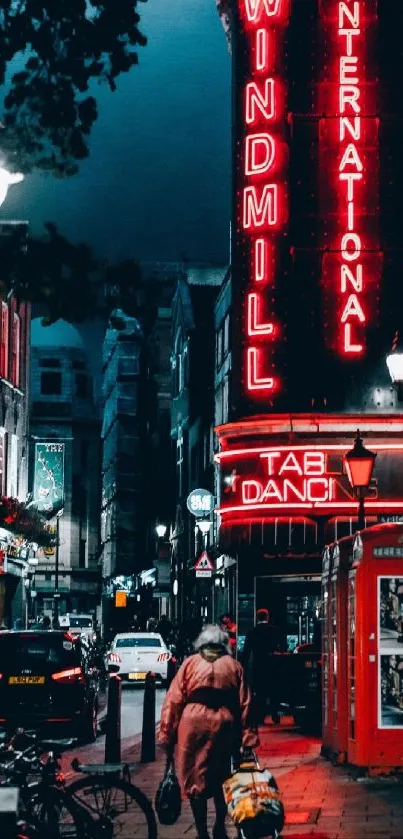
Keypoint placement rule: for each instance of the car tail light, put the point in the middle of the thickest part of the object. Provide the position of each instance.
(164, 657)
(114, 658)
(74, 674)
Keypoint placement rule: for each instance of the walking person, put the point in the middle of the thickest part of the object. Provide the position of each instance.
(206, 714)
(259, 661)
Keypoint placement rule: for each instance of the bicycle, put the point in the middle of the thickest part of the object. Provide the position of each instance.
(101, 805)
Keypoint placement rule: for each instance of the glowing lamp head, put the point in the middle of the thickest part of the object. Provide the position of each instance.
(161, 530)
(8, 179)
(204, 526)
(394, 361)
(359, 463)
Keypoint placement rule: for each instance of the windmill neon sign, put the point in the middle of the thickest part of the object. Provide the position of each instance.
(262, 209)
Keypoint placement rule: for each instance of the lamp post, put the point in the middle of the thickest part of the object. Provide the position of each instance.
(204, 527)
(359, 463)
(56, 593)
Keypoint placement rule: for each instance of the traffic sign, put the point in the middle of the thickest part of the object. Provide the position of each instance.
(200, 502)
(204, 566)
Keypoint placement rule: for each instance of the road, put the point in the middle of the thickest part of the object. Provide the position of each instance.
(131, 725)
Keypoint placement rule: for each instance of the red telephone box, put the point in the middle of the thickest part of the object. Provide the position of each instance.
(326, 685)
(372, 659)
(335, 580)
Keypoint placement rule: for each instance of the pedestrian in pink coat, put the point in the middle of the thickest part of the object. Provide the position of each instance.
(206, 714)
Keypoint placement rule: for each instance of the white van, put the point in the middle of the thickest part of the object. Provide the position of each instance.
(79, 624)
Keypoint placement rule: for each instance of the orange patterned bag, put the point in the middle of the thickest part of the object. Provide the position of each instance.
(253, 802)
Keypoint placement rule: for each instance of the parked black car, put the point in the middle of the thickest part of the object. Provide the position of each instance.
(49, 681)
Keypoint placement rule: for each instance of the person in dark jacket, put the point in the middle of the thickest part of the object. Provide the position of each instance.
(259, 661)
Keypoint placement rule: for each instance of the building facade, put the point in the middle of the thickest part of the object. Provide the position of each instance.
(123, 463)
(64, 415)
(315, 289)
(192, 420)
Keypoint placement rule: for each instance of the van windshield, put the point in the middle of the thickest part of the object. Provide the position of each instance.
(77, 621)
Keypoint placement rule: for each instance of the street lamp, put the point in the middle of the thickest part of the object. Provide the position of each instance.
(161, 530)
(359, 463)
(7, 179)
(394, 361)
(56, 593)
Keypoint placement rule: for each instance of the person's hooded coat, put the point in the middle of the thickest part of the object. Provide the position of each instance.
(206, 736)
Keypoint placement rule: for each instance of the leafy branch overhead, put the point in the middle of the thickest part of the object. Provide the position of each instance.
(63, 46)
(64, 279)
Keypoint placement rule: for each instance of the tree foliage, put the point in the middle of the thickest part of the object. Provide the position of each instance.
(65, 45)
(65, 280)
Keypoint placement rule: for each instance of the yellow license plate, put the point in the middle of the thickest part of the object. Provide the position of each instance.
(136, 677)
(26, 680)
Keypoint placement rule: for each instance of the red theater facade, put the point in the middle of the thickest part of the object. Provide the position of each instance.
(316, 262)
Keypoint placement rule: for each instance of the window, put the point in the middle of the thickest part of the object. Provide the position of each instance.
(81, 385)
(138, 641)
(15, 351)
(82, 553)
(226, 335)
(4, 341)
(50, 362)
(51, 384)
(219, 347)
(225, 398)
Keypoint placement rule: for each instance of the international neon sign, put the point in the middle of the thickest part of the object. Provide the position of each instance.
(347, 25)
(261, 211)
(288, 479)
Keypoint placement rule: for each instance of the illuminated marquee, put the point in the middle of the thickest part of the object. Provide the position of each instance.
(351, 260)
(296, 479)
(261, 197)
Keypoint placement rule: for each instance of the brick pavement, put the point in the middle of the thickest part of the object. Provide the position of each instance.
(321, 801)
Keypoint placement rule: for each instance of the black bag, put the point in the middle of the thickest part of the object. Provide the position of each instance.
(168, 802)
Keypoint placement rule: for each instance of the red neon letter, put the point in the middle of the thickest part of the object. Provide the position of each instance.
(254, 327)
(348, 346)
(347, 275)
(314, 463)
(353, 309)
(262, 50)
(259, 99)
(260, 150)
(263, 212)
(254, 9)
(254, 382)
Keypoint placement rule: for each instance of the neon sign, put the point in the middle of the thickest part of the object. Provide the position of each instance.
(261, 194)
(285, 480)
(351, 259)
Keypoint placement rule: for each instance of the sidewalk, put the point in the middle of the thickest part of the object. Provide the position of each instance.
(321, 801)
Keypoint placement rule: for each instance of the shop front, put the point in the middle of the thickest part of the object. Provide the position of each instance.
(284, 494)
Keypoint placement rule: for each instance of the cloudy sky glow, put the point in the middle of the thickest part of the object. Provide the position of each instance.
(157, 184)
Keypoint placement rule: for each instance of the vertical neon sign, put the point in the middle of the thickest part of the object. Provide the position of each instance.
(261, 199)
(349, 160)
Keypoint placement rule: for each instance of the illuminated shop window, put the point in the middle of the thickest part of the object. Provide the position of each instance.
(4, 341)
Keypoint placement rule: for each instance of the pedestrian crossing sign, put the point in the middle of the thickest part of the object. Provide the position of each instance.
(204, 567)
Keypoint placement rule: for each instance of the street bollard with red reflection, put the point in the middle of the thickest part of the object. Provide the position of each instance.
(113, 748)
(148, 730)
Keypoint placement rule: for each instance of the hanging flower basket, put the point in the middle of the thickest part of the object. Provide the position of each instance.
(26, 522)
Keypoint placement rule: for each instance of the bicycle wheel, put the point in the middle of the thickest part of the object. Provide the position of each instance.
(111, 801)
(58, 816)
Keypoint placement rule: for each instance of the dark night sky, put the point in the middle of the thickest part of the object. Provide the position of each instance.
(157, 182)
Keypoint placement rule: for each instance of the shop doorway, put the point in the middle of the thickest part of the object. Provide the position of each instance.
(294, 604)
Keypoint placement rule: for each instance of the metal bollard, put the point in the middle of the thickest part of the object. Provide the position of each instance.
(113, 720)
(148, 731)
(8, 812)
